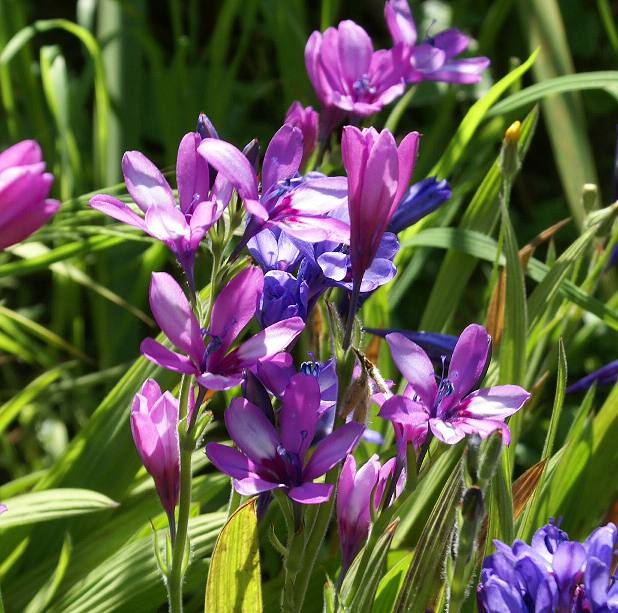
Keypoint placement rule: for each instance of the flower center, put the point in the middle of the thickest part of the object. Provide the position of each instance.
(362, 87)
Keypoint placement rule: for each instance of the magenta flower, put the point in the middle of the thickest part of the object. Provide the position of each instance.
(213, 364)
(435, 59)
(269, 459)
(154, 424)
(378, 176)
(286, 200)
(24, 187)
(306, 120)
(348, 76)
(453, 407)
(357, 491)
(180, 226)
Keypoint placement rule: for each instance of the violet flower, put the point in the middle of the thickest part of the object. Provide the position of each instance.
(348, 76)
(284, 296)
(453, 407)
(305, 118)
(213, 364)
(434, 59)
(268, 458)
(606, 375)
(24, 187)
(378, 174)
(154, 424)
(181, 227)
(286, 200)
(421, 199)
(551, 574)
(273, 249)
(357, 492)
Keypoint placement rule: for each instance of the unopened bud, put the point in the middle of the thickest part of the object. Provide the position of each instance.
(472, 457)
(490, 459)
(590, 197)
(509, 156)
(205, 127)
(472, 507)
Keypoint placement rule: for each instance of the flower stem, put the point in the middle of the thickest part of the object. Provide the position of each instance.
(349, 324)
(175, 577)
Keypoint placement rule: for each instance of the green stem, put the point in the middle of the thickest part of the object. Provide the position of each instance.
(175, 577)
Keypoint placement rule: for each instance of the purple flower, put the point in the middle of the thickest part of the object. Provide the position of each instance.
(357, 492)
(180, 228)
(421, 199)
(269, 458)
(551, 574)
(24, 187)
(272, 249)
(606, 375)
(450, 408)
(214, 365)
(283, 297)
(435, 59)
(3, 508)
(286, 200)
(154, 424)
(306, 120)
(348, 76)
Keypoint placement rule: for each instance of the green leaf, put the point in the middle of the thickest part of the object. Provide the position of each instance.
(423, 578)
(602, 79)
(36, 507)
(390, 585)
(44, 596)
(234, 582)
(528, 523)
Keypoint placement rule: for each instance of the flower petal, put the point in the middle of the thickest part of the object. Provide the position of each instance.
(230, 461)
(248, 427)
(252, 486)
(118, 210)
(283, 156)
(332, 449)
(147, 186)
(192, 173)
(400, 22)
(494, 402)
(175, 317)
(299, 414)
(166, 358)
(311, 493)
(415, 366)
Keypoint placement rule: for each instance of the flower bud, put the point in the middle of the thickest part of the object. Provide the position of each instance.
(509, 156)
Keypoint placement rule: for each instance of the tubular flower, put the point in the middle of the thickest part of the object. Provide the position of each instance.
(551, 574)
(154, 424)
(378, 175)
(348, 76)
(212, 363)
(606, 375)
(287, 201)
(24, 187)
(454, 406)
(434, 59)
(180, 226)
(269, 459)
(357, 492)
(305, 118)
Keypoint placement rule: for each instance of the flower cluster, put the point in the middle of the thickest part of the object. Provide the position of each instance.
(553, 573)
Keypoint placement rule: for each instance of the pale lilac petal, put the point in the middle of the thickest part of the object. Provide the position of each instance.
(332, 449)
(276, 372)
(299, 414)
(451, 41)
(234, 308)
(415, 366)
(230, 461)
(400, 22)
(192, 173)
(482, 427)
(175, 317)
(116, 209)
(264, 247)
(255, 208)
(166, 224)
(404, 411)
(407, 154)
(334, 265)
(316, 229)
(568, 562)
(249, 428)
(283, 156)
(426, 58)
(166, 358)
(320, 195)
(144, 181)
(311, 493)
(216, 382)
(23, 153)
(266, 343)
(466, 71)
(494, 402)
(447, 432)
(204, 215)
(232, 164)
